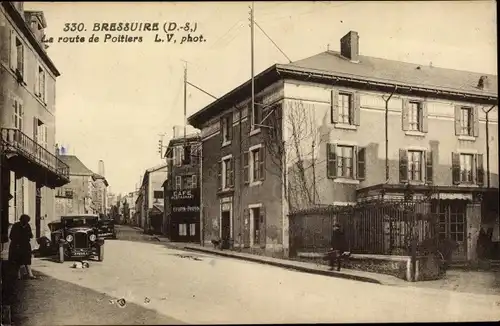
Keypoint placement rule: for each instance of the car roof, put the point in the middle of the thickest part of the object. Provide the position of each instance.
(79, 215)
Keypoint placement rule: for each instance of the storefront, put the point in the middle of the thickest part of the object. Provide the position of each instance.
(185, 215)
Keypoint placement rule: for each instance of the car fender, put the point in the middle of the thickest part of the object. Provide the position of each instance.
(99, 241)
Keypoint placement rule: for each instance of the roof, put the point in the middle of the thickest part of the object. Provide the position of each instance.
(96, 176)
(330, 65)
(76, 167)
(37, 45)
(193, 137)
(372, 68)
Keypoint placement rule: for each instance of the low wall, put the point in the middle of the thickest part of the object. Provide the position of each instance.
(427, 267)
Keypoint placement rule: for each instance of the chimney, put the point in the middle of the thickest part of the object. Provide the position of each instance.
(37, 23)
(483, 82)
(100, 168)
(349, 46)
(174, 135)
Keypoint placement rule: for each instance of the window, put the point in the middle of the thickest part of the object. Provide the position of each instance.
(40, 132)
(257, 115)
(255, 224)
(182, 229)
(40, 89)
(415, 161)
(18, 114)
(178, 183)
(192, 229)
(226, 129)
(415, 116)
(345, 111)
(178, 155)
(345, 161)
(19, 56)
(226, 174)
(466, 121)
(466, 168)
(158, 194)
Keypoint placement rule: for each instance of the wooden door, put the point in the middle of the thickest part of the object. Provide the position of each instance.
(453, 225)
(226, 228)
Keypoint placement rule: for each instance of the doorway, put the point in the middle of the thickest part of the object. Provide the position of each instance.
(38, 211)
(452, 225)
(225, 229)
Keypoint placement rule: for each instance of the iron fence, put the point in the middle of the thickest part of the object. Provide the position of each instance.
(377, 227)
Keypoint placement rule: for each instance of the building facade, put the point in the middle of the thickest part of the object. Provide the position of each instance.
(149, 204)
(182, 189)
(77, 196)
(99, 195)
(30, 168)
(339, 128)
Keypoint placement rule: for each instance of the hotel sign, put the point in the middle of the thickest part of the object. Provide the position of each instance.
(185, 201)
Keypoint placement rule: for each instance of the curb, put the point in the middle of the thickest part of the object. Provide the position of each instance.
(291, 266)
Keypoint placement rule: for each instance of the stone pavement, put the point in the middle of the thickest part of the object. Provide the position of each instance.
(456, 280)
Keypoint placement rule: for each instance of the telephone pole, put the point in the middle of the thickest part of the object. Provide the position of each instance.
(185, 100)
(252, 24)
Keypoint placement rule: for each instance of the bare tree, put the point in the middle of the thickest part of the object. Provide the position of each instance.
(292, 142)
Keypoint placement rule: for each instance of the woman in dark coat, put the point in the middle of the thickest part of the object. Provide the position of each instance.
(20, 246)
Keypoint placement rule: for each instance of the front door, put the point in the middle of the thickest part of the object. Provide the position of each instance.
(225, 228)
(452, 225)
(38, 211)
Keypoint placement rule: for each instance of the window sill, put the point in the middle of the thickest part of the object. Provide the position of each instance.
(255, 183)
(416, 183)
(468, 184)
(415, 133)
(254, 132)
(226, 143)
(225, 191)
(466, 138)
(345, 126)
(346, 181)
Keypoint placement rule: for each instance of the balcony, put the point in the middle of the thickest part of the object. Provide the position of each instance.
(27, 158)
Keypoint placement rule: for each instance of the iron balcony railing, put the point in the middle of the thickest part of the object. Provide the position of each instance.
(15, 140)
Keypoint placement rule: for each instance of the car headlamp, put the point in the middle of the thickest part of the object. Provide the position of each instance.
(93, 237)
(69, 238)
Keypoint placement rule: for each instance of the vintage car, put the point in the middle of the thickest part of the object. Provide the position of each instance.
(77, 237)
(106, 227)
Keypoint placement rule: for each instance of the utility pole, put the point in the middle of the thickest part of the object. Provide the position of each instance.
(252, 24)
(185, 100)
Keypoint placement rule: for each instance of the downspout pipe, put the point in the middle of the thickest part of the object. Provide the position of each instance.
(387, 134)
(488, 145)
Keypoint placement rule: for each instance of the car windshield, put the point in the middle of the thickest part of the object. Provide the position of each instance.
(79, 221)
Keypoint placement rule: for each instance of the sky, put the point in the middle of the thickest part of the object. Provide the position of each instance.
(114, 100)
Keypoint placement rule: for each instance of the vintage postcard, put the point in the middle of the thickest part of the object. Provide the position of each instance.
(249, 162)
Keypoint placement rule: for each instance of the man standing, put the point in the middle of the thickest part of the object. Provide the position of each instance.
(339, 245)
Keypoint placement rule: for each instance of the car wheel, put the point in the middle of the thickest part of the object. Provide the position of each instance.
(100, 253)
(61, 254)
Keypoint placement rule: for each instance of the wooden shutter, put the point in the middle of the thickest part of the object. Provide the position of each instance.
(356, 108)
(405, 119)
(262, 227)
(455, 168)
(331, 157)
(361, 163)
(475, 127)
(194, 181)
(262, 163)
(230, 126)
(246, 227)
(13, 50)
(38, 82)
(429, 170)
(230, 163)
(178, 182)
(334, 102)
(222, 131)
(219, 175)
(458, 110)
(35, 130)
(246, 168)
(479, 169)
(44, 87)
(403, 166)
(424, 117)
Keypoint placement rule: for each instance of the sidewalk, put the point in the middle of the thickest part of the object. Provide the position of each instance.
(291, 264)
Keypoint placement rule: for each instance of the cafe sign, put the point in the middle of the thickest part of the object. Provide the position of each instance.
(185, 201)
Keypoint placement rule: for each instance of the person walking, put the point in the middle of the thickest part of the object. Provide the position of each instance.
(339, 245)
(20, 246)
